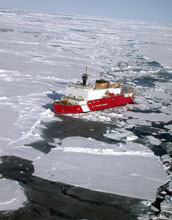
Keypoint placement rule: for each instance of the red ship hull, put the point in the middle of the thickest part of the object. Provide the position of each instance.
(94, 105)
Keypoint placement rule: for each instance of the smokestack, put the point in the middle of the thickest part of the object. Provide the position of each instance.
(84, 79)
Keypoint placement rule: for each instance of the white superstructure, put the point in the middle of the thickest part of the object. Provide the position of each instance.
(87, 93)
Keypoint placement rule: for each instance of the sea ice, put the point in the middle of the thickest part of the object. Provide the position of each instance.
(169, 127)
(12, 196)
(37, 62)
(154, 140)
(127, 175)
(159, 95)
(121, 134)
(153, 117)
(138, 121)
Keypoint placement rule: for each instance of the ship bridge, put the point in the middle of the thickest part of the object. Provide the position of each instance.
(89, 92)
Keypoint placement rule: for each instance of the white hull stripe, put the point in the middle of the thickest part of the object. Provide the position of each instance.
(85, 108)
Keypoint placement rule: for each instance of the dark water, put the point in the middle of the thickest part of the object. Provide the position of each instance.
(70, 127)
(48, 200)
(53, 200)
(57, 201)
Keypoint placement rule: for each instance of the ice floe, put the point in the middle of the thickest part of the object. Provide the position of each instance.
(12, 195)
(121, 134)
(122, 174)
(154, 140)
(152, 117)
(103, 167)
(169, 127)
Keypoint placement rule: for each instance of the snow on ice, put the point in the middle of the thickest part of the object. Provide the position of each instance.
(39, 55)
(12, 196)
(109, 173)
